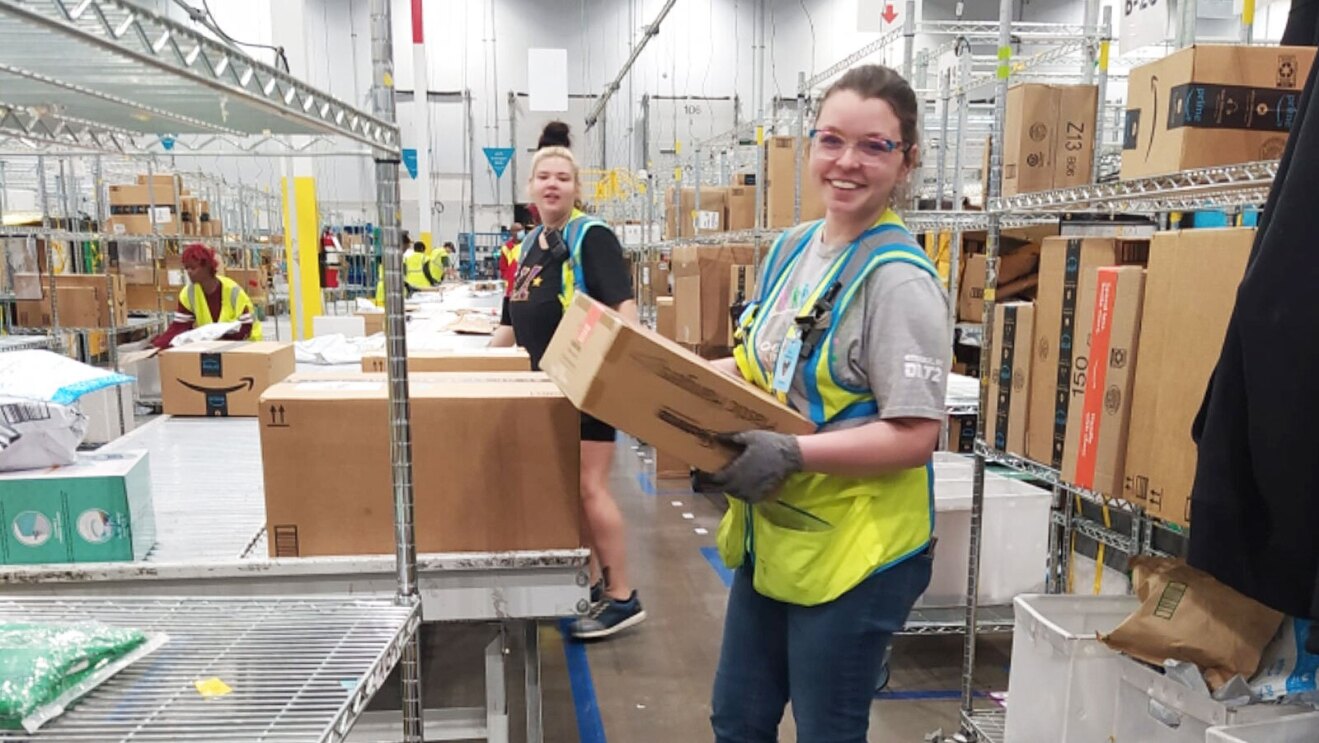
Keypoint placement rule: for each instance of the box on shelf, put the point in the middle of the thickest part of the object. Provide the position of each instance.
(221, 378)
(473, 360)
(1009, 389)
(666, 321)
(1063, 262)
(1015, 541)
(1016, 275)
(83, 301)
(96, 510)
(1154, 708)
(701, 291)
(741, 208)
(142, 224)
(780, 184)
(961, 433)
(651, 388)
(655, 276)
(168, 183)
(1190, 290)
(328, 493)
(1050, 137)
(141, 195)
(683, 221)
(1063, 677)
(1212, 104)
(138, 274)
(150, 298)
(1100, 405)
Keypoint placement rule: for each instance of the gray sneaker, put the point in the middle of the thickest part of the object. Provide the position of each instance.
(609, 616)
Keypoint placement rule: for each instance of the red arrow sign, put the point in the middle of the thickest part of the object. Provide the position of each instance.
(889, 13)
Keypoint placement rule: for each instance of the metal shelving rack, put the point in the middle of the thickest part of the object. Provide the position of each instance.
(109, 76)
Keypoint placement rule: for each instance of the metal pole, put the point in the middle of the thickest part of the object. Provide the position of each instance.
(471, 168)
(696, 198)
(987, 367)
(955, 248)
(396, 354)
(909, 40)
(946, 96)
(103, 247)
(513, 161)
(44, 197)
(1248, 21)
(796, 147)
(1105, 35)
(1185, 23)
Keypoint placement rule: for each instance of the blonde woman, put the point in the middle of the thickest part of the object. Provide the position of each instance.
(572, 252)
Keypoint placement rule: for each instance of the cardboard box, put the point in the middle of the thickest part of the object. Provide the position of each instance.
(742, 208)
(1189, 294)
(169, 183)
(669, 467)
(1009, 389)
(666, 319)
(1013, 268)
(651, 388)
(470, 360)
(137, 297)
(683, 222)
(655, 277)
(780, 184)
(221, 378)
(77, 306)
(1212, 105)
(961, 434)
(1050, 137)
(95, 510)
(701, 291)
(374, 321)
(1063, 263)
(1096, 447)
(141, 224)
(141, 196)
(328, 490)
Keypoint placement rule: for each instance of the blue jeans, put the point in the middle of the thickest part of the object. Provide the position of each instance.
(826, 659)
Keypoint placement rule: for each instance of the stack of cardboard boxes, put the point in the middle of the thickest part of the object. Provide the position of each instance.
(160, 203)
(703, 292)
(1102, 375)
(81, 301)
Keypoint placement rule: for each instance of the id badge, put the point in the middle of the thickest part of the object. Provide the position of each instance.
(786, 368)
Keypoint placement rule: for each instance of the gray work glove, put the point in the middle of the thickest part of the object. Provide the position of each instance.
(767, 459)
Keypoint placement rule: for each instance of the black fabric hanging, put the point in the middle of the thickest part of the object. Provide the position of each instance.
(1255, 502)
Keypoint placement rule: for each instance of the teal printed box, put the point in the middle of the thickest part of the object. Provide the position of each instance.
(96, 510)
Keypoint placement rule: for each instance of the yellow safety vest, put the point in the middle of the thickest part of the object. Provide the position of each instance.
(380, 291)
(824, 534)
(234, 302)
(438, 260)
(414, 272)
(574, 278)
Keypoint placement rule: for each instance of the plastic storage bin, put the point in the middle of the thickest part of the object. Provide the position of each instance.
(1295, 729)
(1152, 708)
(1063, 679)
(1015, 541)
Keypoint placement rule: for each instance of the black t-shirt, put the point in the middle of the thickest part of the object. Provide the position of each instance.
(533, 307)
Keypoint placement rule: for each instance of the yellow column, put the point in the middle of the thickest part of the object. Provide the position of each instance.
(307, 243)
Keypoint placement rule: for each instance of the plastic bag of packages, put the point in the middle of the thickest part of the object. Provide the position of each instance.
(45, 667)
(36, 434)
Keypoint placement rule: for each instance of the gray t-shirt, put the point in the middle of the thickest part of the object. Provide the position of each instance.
(893, 337)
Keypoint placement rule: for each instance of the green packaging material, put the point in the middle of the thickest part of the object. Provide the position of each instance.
(96, 510)
(40, 664)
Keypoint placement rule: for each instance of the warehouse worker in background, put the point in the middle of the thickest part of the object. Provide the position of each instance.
(414, 263)
(573, 252)
(437, 266)
(830, 533)
(508, 256)
(209, 298)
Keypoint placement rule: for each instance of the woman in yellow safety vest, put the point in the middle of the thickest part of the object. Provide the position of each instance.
(210, 298)
(829, 534)
(414, 263)
(574, 252)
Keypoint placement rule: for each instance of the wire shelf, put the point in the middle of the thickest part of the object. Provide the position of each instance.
(25, 343)
(1049, 475)
(299, 670)
(134, 325)
(987, 725)
(951, 620)
(1227, 186)
(117, 71)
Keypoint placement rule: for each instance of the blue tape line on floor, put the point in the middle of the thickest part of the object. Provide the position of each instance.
(924, 695)
(590, 729)
(711, 555)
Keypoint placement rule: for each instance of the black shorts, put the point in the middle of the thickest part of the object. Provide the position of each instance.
(594, 429)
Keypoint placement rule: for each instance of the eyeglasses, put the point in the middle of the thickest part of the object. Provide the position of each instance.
(869, 149)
